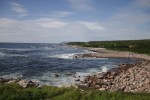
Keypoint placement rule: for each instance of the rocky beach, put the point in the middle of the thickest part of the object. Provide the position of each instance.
(133, 77)
(126, 77)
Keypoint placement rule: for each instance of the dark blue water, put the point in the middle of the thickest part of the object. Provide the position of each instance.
(40, 62)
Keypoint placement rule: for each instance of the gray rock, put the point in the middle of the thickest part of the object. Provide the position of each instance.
(27, 83)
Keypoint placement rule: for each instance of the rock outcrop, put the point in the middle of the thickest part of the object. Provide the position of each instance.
(27, 83)
(23, 83)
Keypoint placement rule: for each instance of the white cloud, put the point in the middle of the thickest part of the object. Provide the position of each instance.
(25, 31)
(92, 25)
(6, 22)
(81, 5)
(50, 23)
(56, 14)
(60, 14)
(32, 31)
(19, 9)
(128, 24)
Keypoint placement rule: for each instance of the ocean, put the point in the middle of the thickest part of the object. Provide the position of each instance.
(51, 64)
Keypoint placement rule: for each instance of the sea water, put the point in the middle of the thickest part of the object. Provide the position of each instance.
(50, 64)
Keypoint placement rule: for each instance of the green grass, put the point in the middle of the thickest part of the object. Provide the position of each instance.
(15, 92)
(138, 46)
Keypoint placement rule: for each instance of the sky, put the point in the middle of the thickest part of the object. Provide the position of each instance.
(55, 21)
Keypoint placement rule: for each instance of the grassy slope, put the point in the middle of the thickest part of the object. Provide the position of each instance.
(138, 46)
(15, 92)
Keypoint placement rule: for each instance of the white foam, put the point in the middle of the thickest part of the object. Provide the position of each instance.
(86, 73)
(11, 55)
(27, 49)
(82, 73)
(93, 70)
(2, 54)
(14, 75)
(17, 49)
(104, 69)
(64, 56)
(49, 79)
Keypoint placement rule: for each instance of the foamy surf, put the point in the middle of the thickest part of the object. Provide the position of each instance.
(10, 55)
(63, 56)
(104, 69)
(2, 54)
(12, 76)
(49, 79)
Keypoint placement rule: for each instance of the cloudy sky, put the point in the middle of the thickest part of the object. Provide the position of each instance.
(54, 21)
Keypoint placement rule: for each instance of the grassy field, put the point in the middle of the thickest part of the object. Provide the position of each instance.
(15, 92)
(138, 46)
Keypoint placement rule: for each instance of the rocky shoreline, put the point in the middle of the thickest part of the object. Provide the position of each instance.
(22, 82)
(126, 78)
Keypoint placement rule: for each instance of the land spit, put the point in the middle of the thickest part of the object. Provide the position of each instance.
(126, 77)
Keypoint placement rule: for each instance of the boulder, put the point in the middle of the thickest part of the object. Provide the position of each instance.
(147, 81)
(102, 89)
(97, 86)
(57, 75)
(27, 83)
(77, 80)
(23, 83)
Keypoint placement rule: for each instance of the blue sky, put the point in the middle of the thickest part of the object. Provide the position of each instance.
(54, 21)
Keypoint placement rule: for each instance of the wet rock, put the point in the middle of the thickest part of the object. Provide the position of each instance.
(113, 73)
(101, 76)
(56, 75)
(74, 76)
(77, 80)
(27, 83)
(68, 74)
(4, 80)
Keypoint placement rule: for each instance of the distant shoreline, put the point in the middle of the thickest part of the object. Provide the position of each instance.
(104, 53)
